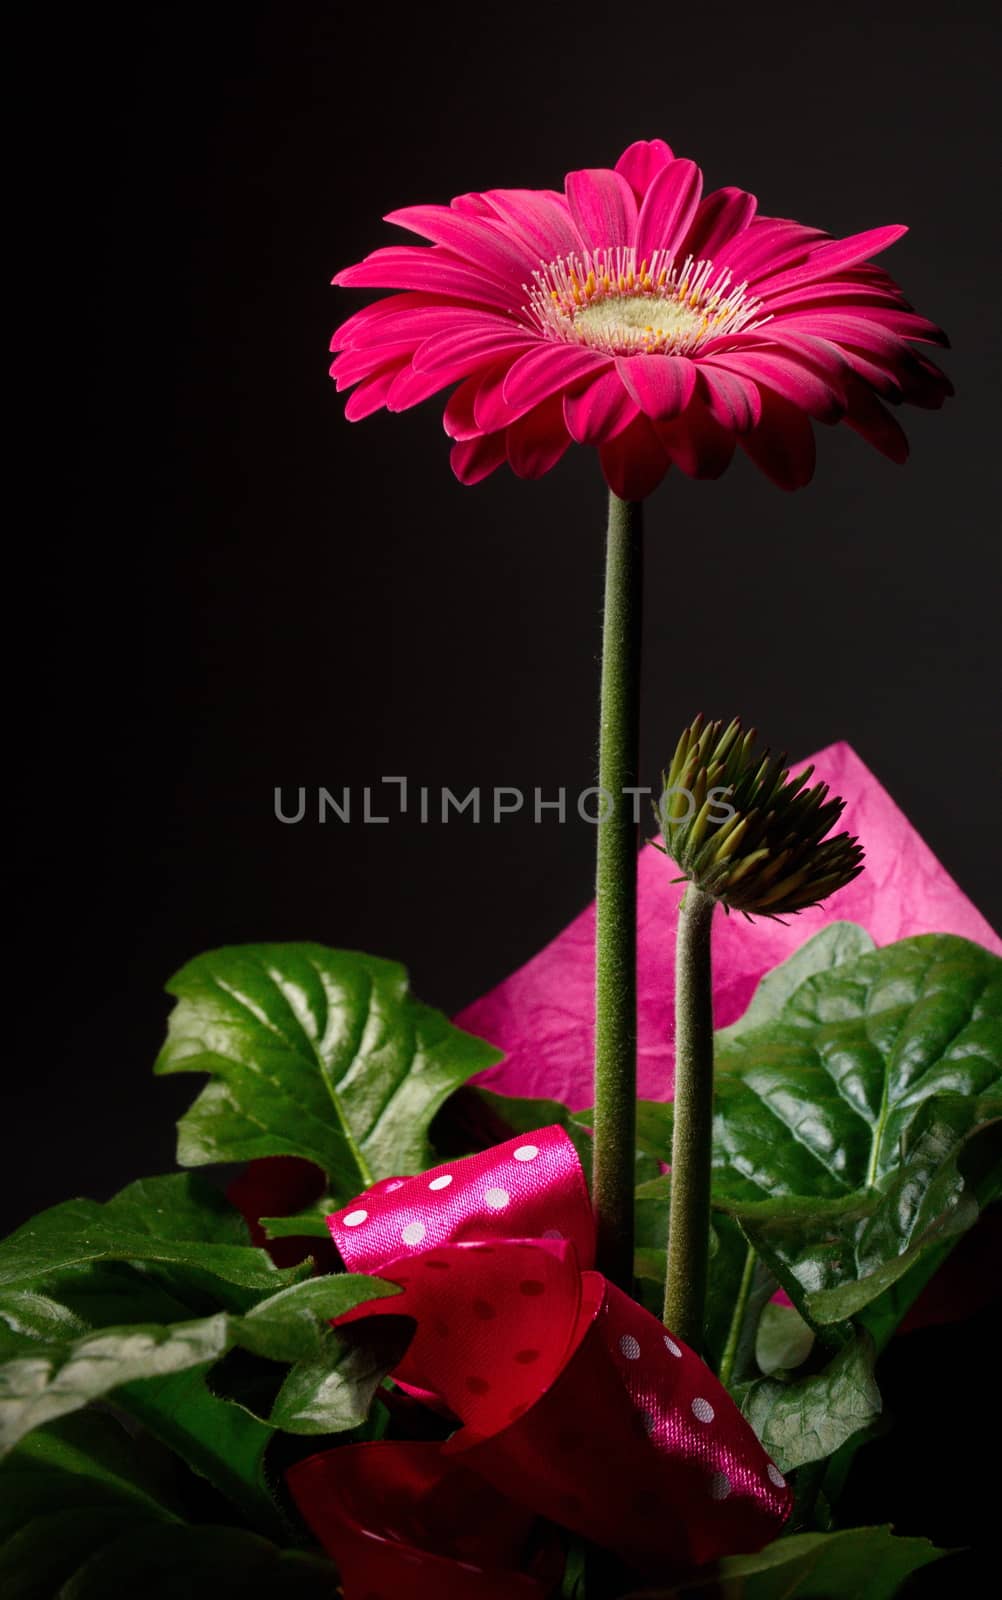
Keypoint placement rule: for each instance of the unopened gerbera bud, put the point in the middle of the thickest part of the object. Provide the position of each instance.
(742, 830)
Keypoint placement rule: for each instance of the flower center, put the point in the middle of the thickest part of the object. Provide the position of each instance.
(604, 299)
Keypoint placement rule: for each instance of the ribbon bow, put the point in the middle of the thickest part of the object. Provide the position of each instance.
(572, 1400)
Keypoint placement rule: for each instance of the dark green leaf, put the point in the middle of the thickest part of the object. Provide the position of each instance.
(189, 1563)
(783, 1340)
(808, 1419)
(294, 1323)
(855, 1564)
(179, 1220)
(841, 1125)
(310, 1224)
(312, 1052)
(80, 1519)
(838, 943)
(49, 1380)
(333, 1390)
(65, 1491)
(219, 1441)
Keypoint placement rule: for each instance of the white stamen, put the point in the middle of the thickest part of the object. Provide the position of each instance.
(607, 300)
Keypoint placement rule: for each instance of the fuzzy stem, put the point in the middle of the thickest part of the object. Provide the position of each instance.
(689, 1232)
(616, 897)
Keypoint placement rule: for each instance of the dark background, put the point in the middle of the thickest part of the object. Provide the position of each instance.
(220, 586)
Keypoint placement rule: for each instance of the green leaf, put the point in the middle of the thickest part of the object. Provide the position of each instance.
(189, 1563)
(317, 1053)
(333, 1390)
(336, 1372)
(87, 1460)
(842, 1126)
(220, 1442)
(80, 1516)
(783, 1340)
(27, 1314)
(301, 1224)
(294, 1323)
(838, 943)
(179, 1220)
(854, 1564)
(809, 1418)
(63, 1493)
(48, 1380)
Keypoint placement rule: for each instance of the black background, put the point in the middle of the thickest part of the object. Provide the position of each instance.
(221, 586)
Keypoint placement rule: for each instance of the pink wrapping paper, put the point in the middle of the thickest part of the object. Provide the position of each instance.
(542, 1016)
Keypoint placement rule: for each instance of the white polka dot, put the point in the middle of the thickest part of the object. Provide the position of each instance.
(775, 1476)
(354, 1219)
(526, 1152)
(671, 1346)
(552, 1233)
(720, 1486)
(413, 1233)
(629, 1347)
(497, 1199)
(702, 1410)
(441, 1183)
(397, 1183)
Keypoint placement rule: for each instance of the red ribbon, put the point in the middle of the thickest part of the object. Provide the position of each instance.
(570, 1399)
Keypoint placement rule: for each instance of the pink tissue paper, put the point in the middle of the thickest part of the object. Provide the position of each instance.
(543, 1015)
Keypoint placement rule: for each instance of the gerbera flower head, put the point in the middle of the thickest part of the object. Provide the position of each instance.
(744, 831)
(633, 313)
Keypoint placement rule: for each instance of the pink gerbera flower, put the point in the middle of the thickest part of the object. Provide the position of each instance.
(634, 314)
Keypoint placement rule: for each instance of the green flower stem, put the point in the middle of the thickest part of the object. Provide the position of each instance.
(616, 897)
(689, 1231)
(736, 1328)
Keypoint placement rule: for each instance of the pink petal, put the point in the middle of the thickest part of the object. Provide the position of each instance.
(466, 348)
(458, 419)
(490, 408)
(542, 221)
(734, 401)
(668, 209)
(470, 205)
(369, 396)
(924, 385)
(537, 441)
(549, 367)
(844, 329)
(874, 423)
(600, 411)
(475, 459)
(352, 365)
(720, 217)
(364, 323)
(697, 443)
(641, 162)
(661, 385)
(766, 244)
(782, 446)
(479, 240)
(603, 208)
(414, 267)
(410, 387)
(635, 461)
(419, 324)
(819, 395)
(836, 255)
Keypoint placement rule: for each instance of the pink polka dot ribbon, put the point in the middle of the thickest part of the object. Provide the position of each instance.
(570, 1399)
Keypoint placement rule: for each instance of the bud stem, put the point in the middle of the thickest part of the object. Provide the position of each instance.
(689, 1229)
(616, 897)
